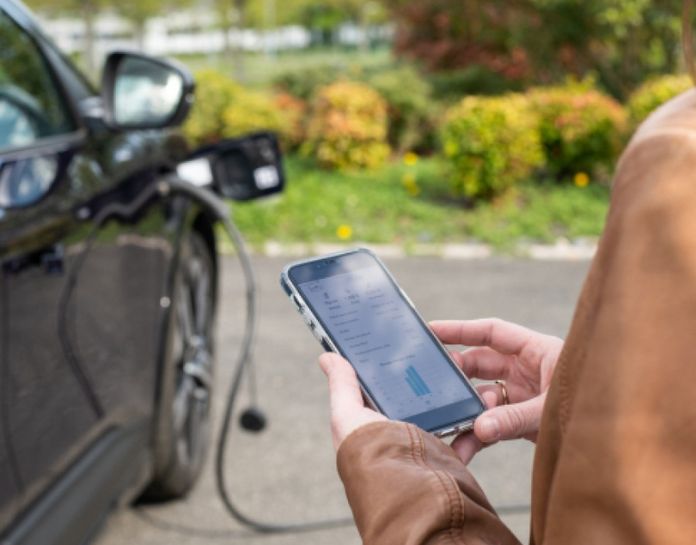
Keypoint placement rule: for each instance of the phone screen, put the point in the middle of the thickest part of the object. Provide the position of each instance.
(403, 368)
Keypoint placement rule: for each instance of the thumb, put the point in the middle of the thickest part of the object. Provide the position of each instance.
(344, 388)
(510, 421)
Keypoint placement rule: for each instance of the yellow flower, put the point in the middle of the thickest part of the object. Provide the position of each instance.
(410, 158)
(344, 232)
(410, 183)
(581, 179)
(451, 148)
(413, 190)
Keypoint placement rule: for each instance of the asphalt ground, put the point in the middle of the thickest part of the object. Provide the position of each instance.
(287, 473)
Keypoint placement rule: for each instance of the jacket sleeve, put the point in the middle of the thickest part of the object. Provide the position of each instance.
(407, 487)
(624, 388)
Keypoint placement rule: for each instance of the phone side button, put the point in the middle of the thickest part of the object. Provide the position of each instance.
(296, 302)
(325, 345)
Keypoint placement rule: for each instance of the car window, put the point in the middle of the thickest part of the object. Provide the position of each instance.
(31, 107)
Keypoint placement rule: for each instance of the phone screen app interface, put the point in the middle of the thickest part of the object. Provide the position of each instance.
(378, 332)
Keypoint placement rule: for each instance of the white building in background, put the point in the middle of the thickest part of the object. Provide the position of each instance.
(191, 32)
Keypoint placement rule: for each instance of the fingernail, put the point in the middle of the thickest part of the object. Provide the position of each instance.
(490, 430)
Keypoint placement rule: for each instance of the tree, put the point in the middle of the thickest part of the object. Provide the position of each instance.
(87, 10)
(139, 12)
(449, 34)
(232, 15)
(323, 18)
(622, 41)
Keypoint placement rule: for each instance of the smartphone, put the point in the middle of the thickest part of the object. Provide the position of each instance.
(355, 308)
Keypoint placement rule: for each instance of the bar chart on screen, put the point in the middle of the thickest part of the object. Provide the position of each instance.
(416, 382)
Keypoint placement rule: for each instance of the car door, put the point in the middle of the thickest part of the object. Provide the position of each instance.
(9, 489)
(46, 409)
(82, 295)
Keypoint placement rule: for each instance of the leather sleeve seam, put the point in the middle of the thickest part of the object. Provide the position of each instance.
(444, 479)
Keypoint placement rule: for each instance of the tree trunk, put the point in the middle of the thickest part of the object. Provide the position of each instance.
(224, 12)
(88, 16)
(238, 49)
(226, 45)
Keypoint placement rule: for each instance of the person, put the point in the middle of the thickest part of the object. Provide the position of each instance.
(612, 410)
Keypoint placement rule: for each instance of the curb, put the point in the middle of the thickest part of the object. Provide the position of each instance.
(561, 250)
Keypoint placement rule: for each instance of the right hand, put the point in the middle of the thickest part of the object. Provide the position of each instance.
(501, 350)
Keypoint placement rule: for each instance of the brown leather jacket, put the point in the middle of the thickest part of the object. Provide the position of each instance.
(616, 455)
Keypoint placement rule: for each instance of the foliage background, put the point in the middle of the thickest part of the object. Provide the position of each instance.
(497, 121)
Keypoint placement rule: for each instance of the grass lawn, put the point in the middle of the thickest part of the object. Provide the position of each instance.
(408, 204)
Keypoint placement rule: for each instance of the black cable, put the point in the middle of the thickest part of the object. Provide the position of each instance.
(243, 361)
(70, 351)
(219, 208)
(192, 531)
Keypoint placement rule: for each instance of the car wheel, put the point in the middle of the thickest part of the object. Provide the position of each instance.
(183, 428)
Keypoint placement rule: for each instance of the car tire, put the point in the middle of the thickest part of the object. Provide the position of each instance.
(183, 424)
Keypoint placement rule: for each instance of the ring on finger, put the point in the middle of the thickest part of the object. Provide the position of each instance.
(503, 392)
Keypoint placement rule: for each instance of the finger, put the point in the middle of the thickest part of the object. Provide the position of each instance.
(491, 395)
(483, 362)
(344, 389)
(500, 335)
(510, 421)
(466, 446)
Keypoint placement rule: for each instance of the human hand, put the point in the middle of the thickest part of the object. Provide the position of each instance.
(501, 350)
(348, 411)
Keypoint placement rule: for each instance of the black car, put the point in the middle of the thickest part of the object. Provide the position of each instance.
(108, 288)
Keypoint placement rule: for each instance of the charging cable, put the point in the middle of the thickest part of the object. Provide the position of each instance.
(252, 418)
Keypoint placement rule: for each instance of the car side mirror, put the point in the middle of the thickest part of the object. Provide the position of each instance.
(143, 92)
(241, 168)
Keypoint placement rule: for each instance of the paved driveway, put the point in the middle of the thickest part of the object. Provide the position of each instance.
(288, 473)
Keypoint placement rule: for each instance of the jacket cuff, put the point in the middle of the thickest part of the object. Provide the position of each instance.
(365, 434)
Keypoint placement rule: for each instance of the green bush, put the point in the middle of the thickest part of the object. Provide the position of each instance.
(224, 108)
(410, 107)
(347, 127)
(294, 111)
(304, 83)
(581, 130)
(492, 143)
(475, 80)
(214, 92)
(252, 111)
(653, 93)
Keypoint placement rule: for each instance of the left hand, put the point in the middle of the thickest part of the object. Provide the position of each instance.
(348, 411)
